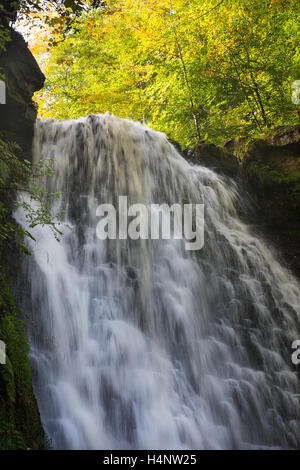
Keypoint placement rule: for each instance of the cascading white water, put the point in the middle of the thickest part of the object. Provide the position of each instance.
(141, 344)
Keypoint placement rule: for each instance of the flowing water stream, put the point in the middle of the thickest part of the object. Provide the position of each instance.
(140, 344)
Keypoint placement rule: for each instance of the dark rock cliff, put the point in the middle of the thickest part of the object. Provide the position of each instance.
(22, 77)
(269, 169)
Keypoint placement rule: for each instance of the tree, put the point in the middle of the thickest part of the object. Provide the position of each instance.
(194, 69)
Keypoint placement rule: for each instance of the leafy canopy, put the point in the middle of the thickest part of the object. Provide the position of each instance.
(195, 69)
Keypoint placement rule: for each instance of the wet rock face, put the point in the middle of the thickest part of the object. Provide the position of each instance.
(22, 77)
(215, 157)
(269, 169)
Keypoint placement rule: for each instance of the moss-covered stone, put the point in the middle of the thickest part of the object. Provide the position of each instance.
(269, 168)
(215, 157)
(20, 425)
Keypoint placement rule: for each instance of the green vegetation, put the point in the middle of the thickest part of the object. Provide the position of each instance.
(17, 175)
(197, 70)
(20, 425)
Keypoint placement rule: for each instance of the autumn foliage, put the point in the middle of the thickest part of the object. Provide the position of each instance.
(198, 69)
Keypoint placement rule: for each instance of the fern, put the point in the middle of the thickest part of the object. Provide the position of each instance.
(10, 438)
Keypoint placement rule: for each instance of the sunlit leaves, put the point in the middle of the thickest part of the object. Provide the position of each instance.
(147, 59)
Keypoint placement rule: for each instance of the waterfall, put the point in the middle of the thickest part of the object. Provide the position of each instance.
(141, 344)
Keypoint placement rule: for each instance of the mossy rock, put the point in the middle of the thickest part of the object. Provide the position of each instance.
(20, 424)
(215, 157)
(268, 167)
(10, 438)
